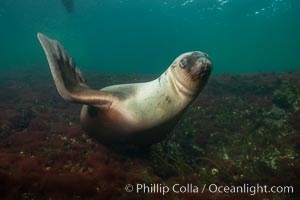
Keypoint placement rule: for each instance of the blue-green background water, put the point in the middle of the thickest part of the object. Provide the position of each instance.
(145, 36)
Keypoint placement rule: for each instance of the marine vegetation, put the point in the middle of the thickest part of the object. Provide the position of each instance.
(246, 136)
(241, 129)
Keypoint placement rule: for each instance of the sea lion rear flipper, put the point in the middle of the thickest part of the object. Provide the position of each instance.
(68, 78)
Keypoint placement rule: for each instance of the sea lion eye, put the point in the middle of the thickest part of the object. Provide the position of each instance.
(183, 63)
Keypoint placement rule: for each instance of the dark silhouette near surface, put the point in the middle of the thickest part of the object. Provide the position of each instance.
(69, 5)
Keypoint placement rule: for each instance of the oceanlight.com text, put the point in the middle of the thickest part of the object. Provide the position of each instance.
(163, 189)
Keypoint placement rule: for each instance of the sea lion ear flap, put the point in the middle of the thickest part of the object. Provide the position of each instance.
(68, 79)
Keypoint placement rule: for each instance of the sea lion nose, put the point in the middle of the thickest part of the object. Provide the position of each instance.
(205, 61)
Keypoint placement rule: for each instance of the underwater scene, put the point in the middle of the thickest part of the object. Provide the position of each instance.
(150, 99)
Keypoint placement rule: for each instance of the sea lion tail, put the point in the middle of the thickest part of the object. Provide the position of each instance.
(68, 79)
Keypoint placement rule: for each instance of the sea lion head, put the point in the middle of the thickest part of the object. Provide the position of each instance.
(191, 71)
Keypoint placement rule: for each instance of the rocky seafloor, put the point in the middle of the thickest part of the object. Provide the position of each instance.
(242, 129)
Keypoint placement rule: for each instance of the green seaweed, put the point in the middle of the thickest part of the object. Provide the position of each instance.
(287, 96)
(244, 142)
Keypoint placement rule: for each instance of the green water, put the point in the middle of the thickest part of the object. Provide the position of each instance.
(144, 36)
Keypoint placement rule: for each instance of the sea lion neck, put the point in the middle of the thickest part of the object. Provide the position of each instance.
(173, 80)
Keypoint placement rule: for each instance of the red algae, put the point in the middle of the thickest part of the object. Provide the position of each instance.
(44, 153)
(37, 125)
(71, 183)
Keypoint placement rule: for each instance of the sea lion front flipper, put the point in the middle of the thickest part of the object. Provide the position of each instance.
(68, 78)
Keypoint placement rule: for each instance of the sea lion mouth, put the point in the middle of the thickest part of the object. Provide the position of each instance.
(201, 74)
(204, 72)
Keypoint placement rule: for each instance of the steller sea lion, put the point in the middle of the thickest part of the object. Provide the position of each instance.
(135, 113)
